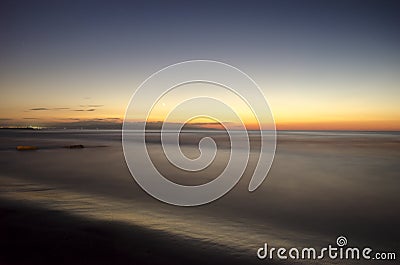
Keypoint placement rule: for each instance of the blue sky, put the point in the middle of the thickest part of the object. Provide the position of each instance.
(323, 54)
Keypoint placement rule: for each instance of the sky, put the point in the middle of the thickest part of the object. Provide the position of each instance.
(322, 65)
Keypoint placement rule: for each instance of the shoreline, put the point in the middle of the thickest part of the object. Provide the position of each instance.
(35, 235)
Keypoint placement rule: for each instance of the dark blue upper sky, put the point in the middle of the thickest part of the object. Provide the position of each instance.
(186, 29)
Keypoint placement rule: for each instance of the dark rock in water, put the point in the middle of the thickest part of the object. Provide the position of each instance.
(26, 147)
(76, 146)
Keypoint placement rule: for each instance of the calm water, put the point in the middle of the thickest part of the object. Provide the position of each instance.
(321, 185)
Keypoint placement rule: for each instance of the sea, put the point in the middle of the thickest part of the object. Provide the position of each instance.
(322, 185)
